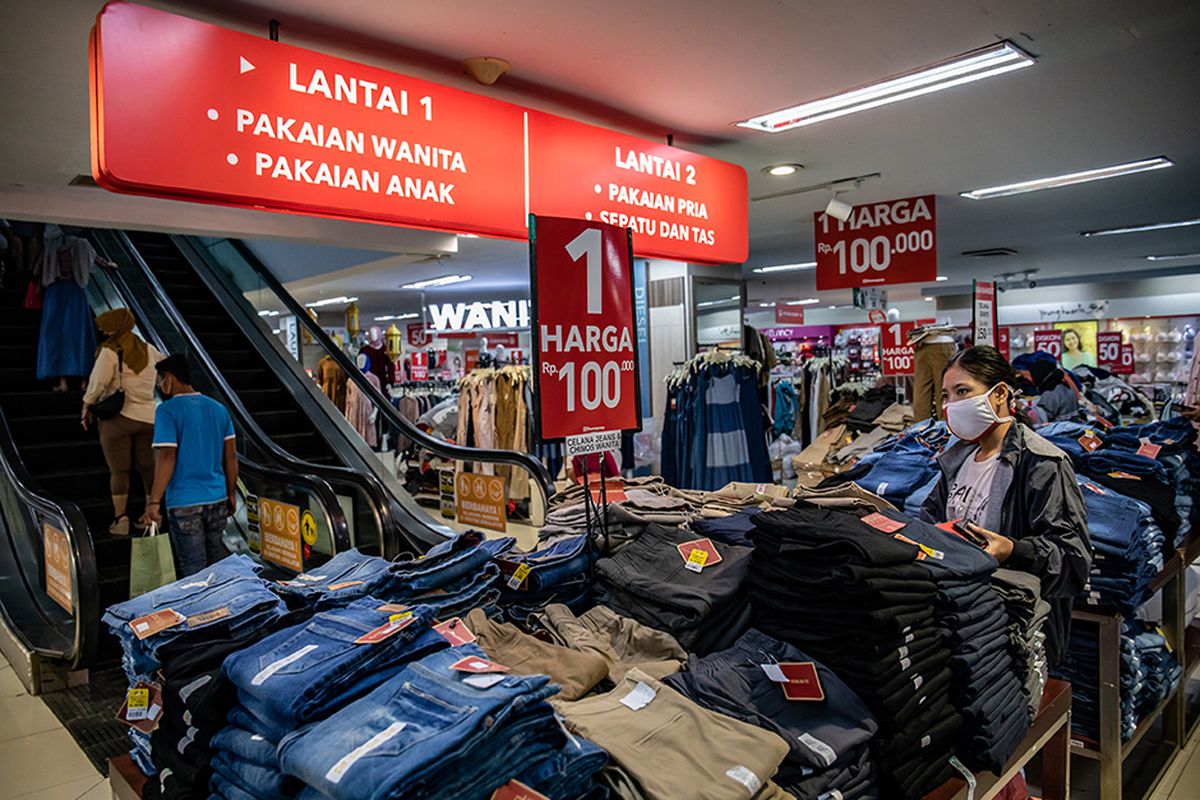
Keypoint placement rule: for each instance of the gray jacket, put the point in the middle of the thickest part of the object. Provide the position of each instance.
(1035, 501)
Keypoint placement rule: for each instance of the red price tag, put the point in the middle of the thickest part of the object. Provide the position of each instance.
(881, 523)
(803, 682)
(1048, 342)
(890, 242)
(397, 623)
(1125, 366)
(896, 355)
(1108, 349)
(687, 552)
(477, 665)
(1089, 441)
(455, 631)
(515, 790)
(1149, 450)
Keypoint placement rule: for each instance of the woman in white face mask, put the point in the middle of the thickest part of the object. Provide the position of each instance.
(1013, 491)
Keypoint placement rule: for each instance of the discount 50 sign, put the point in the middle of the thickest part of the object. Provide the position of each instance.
(585, 357)
(890, 242)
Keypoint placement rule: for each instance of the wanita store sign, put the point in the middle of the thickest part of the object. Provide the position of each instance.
(478, 316)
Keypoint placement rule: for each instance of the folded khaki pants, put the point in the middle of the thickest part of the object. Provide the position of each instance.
(622, 642)
(577, 673)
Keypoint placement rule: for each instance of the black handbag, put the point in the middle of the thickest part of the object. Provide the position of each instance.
(114, 404)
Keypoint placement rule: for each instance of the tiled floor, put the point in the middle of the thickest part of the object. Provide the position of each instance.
(40, 761)
(38, 758)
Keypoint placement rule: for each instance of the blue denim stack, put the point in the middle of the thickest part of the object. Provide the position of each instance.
(986, 687)
(225, 601)
(1129, 548)
(433, 731)
(342, 579)
(558, 573)
(1139, 477)
(903, 469)
(452, 578)
(302, 674)
(1066, 437)
(1178, 455)
(1149, 673)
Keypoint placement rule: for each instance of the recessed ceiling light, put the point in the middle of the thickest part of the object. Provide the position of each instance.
(766, 305)
(983, 63)
(445, 280)
(786, 267)
(782, 170)
(331, 301)
(1087, 176)
(392, 317)
(468, 236)
(266, 313)
(1175, 257)
(1152, 226)
(941, 278)
(808, 301)
(927, 299)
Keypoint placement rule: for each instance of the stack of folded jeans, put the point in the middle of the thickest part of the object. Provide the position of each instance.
(1178, 455)
(339, 581)
(1149, 673)
(1139, 477)
(1129, 547)
(623, 643)
(434, 731)
(557, 573)
(1070, 437)
(664, 746)
(303, 673)
(649, 581)
(452, 577)
(827, 733)
(903, 468)
(225, 601)
(1021, 594)
(856, 600)
(987, 689)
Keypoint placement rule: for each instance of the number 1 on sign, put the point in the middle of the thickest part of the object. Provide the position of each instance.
(588, 243)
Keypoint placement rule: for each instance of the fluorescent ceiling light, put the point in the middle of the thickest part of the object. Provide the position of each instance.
(727, 300)
(1087, 176)
(468, 236)
(1174, 257)
(330, 301)
(1153, 226)
(983, 63)
(266, 313)
(391, 317)
(833, 308)
(766, 305)
(445, 280)
(941, 278)
(786, 267)
(927, 299)
(808, 301)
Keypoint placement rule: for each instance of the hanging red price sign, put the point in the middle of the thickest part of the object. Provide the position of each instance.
(1108, 349)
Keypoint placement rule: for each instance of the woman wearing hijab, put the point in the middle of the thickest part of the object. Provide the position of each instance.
(66, 339)
(124, 361)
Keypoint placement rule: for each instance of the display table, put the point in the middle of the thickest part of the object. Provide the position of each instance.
(1049, 735)
(126, 780)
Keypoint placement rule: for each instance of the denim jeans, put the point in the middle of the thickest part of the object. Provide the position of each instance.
(243, 745)
(426, 730)
(896, 475)
(225, 789)
(298, 674)
(265, 783)
(568, 772)
(454, 559)
(197, 536)
(338, 581)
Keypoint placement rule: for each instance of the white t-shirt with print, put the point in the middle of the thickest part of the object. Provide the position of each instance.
(971, 490)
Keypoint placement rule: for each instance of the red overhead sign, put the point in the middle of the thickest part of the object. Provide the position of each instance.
(1108, 349)
(983, 313)
(788, 315)
(895, 353)
(418, 335)
(890, 242)
(585, 362)
(191, 111)
(1049, 341)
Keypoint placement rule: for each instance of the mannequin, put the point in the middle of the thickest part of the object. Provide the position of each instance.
(378, 362)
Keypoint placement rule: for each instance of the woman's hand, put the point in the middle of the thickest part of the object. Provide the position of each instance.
(1000, 547)
(85, 417)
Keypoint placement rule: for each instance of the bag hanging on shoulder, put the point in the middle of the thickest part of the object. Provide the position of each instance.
(112, 405)
(151, 562)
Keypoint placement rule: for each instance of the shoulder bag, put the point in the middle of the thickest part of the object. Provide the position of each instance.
(112, 405)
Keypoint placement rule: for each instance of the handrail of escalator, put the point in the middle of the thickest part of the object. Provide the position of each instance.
(448, 450)
(86, 587)
(316, 476)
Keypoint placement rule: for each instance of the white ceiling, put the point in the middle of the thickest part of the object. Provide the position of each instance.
(1114, 82)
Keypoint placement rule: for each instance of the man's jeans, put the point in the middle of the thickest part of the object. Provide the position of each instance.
(253, 748)
(340, 580)
(427, 730)
(454, 559)
(196, 536)
(569, 772)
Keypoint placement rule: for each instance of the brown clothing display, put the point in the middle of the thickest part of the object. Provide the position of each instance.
(623, 643)
(332, 381)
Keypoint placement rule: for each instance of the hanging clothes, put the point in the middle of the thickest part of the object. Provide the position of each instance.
(360, 411)
(332, 381)
(67, 338)
(713, 431)
(786, 407)
(379, 363)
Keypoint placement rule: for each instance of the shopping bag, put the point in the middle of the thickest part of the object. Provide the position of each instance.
(33, 296)
(151, 562)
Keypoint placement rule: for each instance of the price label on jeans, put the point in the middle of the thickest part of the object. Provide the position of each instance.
(137, 704)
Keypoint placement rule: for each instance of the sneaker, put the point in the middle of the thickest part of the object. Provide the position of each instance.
(120, 526)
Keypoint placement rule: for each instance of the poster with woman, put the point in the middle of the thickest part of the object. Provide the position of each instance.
(1078, 343)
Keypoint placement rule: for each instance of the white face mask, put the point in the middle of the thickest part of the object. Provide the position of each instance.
(973, 418)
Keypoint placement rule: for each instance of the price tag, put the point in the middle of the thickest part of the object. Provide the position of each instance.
(1149, 450)
(697, 559)
(455, 631)
(477, 665)
(344, 585)
(137, 703)
(881, 523)
(395, 624)
(401, 615)
(1089, 441)
(708, 556)
(639, 698)
(519, 576)
(483, 681)
(803, 682)
(144, 627)
(515, 790)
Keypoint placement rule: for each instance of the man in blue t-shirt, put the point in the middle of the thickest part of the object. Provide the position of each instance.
(195, 466)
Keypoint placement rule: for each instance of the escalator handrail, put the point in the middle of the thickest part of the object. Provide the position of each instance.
(86, 590)
(448, 450)
(315, 476)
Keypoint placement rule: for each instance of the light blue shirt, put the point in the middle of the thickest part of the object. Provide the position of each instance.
(198, 427)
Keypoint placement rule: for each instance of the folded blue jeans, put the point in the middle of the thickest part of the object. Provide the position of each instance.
(266, 783)
(463, 555)
(243, 745)
(338, 581)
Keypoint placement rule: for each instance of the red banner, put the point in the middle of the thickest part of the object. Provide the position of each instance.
(506, 339)
(788, 315)
(584, 361)
(420, 366)
(1049, 342)
(881, 243)
(1125, 366)
(983, 313)
(187, 110)
(1108, 349)
(895, 353)
(1002, 343)
(417, 334)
